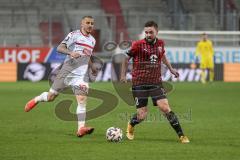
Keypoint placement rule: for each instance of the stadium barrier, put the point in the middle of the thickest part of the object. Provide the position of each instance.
(33, 71)
(35, 64)
(8, 72)
(231, 72)
(11, 72)
(110, 72)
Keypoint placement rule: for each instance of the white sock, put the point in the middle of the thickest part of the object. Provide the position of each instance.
(81, 114)
(42, 97)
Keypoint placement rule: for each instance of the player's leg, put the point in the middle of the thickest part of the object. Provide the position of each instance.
(57, 86)
(172, 118)
(141, 100)
(81, 96)
(81, 110)
(136, 119)
(211, 70)
(203, 73)
(211, 74)
(43, 97)
(159, 99)
(139, 116)
(170, 115)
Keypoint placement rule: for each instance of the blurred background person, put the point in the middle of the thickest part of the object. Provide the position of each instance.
(205, 53)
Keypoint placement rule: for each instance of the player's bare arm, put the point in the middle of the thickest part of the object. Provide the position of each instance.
(168, 64)
(124, 70)
(62, 48)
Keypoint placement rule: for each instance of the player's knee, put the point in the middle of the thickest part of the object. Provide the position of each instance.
(164, 106)
(81, 99)
(51, 97)
(165, 109)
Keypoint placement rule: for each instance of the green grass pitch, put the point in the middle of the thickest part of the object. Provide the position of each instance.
(209, 114)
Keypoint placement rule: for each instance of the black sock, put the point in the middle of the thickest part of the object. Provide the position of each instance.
(134, 121)
(173, 120)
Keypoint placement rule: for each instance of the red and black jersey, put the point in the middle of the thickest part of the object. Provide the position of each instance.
(146, 59)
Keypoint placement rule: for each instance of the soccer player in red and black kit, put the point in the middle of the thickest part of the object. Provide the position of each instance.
(147, 55)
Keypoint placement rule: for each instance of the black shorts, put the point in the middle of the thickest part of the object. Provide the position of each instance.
(142, 92)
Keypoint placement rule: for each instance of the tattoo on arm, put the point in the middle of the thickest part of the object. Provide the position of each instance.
(62, 48)
(166, 62)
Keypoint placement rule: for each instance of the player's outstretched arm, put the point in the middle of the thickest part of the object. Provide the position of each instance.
(168, 64)
(62, 48)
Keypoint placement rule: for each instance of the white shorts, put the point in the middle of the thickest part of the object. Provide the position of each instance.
(77, 79)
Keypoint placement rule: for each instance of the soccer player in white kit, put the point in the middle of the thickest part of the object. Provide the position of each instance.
(78, 46)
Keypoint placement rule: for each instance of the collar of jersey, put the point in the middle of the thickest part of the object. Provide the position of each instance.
(84, 34)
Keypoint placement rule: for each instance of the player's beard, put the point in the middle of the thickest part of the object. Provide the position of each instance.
(89, 30)
(150, 40)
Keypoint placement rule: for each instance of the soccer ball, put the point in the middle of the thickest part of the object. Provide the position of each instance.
(114, 134)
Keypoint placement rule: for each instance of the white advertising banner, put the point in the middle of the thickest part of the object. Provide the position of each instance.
(187, 54)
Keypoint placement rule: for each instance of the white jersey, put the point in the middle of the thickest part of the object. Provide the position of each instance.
(78, 42)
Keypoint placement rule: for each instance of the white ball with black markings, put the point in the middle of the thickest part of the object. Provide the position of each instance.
(114, 134)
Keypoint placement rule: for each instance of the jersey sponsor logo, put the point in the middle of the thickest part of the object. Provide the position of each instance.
(153, 58)
(146, 50)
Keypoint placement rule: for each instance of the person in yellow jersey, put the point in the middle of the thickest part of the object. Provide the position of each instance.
(205, 52)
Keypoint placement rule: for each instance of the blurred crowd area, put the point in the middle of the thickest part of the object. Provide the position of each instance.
(46, 22)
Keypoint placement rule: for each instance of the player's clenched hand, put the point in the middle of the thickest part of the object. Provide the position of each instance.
(123, 80)
(94, 71)
(75, 54)
(175, 73)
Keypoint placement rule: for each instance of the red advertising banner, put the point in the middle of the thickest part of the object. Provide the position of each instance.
(24, 55)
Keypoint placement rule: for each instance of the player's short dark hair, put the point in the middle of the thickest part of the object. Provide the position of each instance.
(151, 24)
(87, 17)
